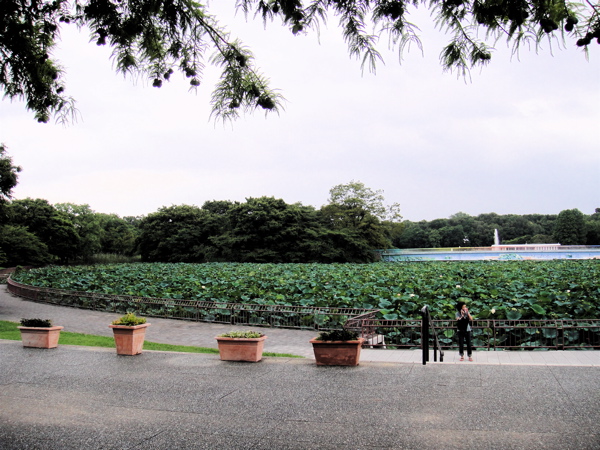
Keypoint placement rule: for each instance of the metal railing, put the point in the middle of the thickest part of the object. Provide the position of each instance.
(426, 324)
(486, 334)
(494, 334)
(356, 323)
(283, 316)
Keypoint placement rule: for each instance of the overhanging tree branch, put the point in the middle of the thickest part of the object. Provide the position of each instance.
(155, 38)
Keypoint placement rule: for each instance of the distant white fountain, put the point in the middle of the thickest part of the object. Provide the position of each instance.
(496, 237)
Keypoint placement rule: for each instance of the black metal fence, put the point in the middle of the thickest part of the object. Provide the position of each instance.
(493, 334)
(487, 334)
(284, 316)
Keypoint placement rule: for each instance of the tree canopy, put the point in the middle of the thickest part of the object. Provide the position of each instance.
(9, 175)
(155, 38)
(570, 227)
(263, 229)
(360, 199)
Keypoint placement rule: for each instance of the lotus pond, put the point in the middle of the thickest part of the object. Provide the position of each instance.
(493, 289)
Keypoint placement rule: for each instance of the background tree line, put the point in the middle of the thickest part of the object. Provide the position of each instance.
(263, 229)
(34, 232)
(353, 223)
(569, 227)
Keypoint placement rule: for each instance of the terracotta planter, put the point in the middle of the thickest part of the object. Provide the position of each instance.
(129, 340)
(337, 353)
(40, 337)
(241, 349)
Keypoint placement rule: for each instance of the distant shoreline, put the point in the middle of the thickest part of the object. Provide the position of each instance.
(515, 252)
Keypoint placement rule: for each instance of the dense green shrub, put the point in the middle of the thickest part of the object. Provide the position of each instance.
(129, 320)
(337, 335)
(37, 323)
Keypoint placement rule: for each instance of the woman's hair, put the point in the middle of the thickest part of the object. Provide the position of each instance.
(459, 305)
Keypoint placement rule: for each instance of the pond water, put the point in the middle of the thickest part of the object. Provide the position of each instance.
(487, 253)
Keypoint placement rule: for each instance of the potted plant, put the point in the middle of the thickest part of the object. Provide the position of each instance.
(241, 346)
(337, 348)
(39, 333)
(129, 332)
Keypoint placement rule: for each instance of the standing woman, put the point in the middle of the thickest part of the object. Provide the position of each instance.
(463, 324)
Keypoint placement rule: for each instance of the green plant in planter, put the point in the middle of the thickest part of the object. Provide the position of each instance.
(37, 323)
(337, 348)
(241, 346)
(39, 333)
(242, 334)
(129, 332)
(130, 320)
(337, 335)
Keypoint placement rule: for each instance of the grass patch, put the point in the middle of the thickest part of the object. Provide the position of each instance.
(9, 331)
(178, 348)
(282, 355)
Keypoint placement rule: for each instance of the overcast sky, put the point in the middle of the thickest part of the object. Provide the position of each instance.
(522, 136)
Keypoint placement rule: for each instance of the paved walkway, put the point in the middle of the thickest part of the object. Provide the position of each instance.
(179, 332)
(90, 398)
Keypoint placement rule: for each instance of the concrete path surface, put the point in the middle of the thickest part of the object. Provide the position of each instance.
(89, 398)
(180, 332)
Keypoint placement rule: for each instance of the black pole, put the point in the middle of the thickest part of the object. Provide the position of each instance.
(425, 334)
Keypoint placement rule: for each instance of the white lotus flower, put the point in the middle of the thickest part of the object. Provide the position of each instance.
(493, 311)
